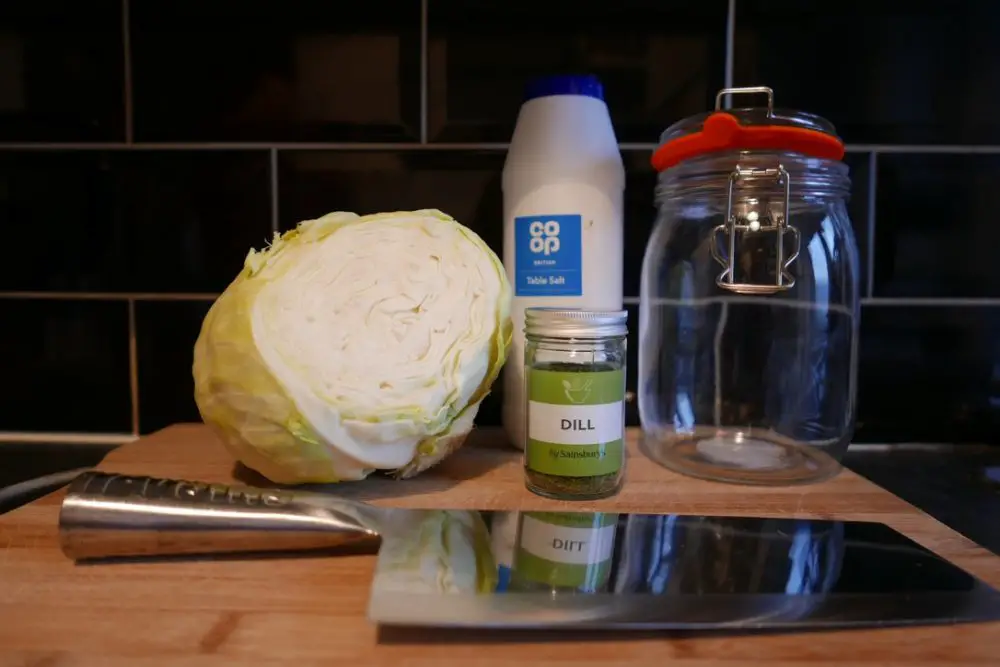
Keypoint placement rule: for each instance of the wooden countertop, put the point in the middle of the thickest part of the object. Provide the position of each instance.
(311, 611)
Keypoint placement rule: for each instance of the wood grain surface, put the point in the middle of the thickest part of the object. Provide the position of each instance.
(311, 611)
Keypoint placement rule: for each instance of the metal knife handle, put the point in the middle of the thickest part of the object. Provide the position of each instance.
(106, 515)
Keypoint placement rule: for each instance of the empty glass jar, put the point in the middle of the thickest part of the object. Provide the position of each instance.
(749, 302)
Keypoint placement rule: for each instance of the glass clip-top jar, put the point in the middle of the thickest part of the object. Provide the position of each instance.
(574, 368)
(749, 299)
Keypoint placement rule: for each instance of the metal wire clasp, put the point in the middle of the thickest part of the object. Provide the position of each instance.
(769, 223)
(751, 90)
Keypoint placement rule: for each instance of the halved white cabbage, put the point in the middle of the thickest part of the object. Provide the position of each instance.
(353, 344)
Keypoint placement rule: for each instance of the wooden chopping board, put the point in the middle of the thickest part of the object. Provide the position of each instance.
(311, 611)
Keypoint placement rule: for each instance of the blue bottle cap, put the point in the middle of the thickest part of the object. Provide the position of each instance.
(503, 578)
(571, 84)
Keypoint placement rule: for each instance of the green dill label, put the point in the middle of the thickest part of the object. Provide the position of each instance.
(576, 422)
(565, 550)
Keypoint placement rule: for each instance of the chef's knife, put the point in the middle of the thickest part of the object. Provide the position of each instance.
(566, 569)
(107, 516)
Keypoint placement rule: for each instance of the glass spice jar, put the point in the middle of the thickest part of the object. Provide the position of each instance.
(575, 402)
(564, 552)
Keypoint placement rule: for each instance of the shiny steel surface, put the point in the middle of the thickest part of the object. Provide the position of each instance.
(689, 573)
(662, 571)
(106, 515)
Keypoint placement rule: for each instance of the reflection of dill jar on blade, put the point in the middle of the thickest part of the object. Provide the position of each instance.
(564, 551)
(575, 391)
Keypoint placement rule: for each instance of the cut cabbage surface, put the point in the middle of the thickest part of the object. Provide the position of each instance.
(353, 344)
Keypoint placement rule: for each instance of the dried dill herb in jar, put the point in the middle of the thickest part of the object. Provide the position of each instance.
(563, 552)
(575, 393)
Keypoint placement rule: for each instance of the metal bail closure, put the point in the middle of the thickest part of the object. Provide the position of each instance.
(752, 225)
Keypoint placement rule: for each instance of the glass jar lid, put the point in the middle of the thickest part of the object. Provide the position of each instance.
(747, 129)
(574, 323)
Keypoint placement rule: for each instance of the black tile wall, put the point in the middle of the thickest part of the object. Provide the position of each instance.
(857, 207)
(166, 332)
(294, 70)
(139, 221)
(936, 233)
(214, 96)
(882, 71)
(632, 363)
(639, 215)
(65, 366)
(929, 374)
(465, 185)
(186, 219)
(63, 201)
(658, 60)
(61, 70)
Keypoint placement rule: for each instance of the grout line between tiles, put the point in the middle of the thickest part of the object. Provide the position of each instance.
(136, 297)
(870, 229)
(887, 149)
(941, 149)
(956, 302)
(730, 47)
(424, 64)
(273, 173)
(133, 366)
(110, 296)
(920, 301)
(127, 71)
(263, 146)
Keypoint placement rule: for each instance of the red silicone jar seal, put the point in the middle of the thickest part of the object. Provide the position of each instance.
(722, 131)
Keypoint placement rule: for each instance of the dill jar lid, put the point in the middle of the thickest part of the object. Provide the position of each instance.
(574, 323)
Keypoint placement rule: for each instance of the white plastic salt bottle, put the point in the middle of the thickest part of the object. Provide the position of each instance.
(563, 186)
